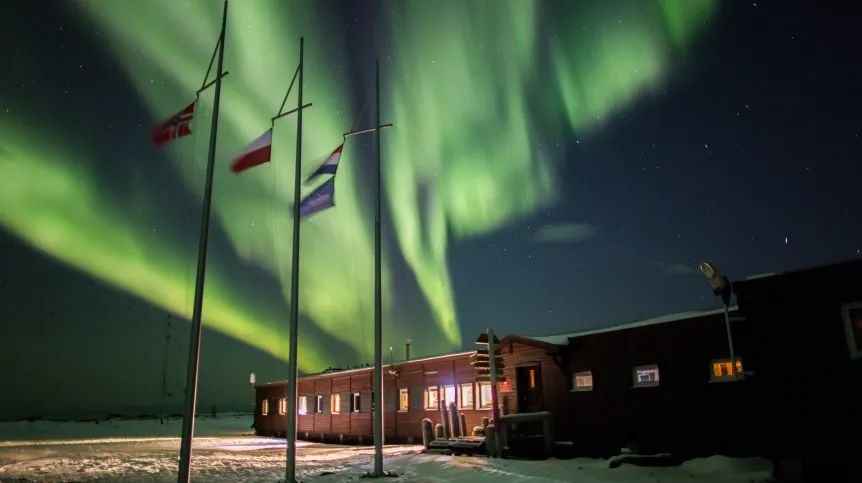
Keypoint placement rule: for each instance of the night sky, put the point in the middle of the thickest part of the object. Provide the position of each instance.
(554, 166)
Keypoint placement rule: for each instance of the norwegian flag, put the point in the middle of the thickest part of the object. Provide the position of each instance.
(175, 126)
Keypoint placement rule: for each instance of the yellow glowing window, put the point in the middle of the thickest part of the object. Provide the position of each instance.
(532, 379)
(403, 399)
(282, 406)
(335, 403)
(264, 407)
(448, 395)
(466, 401)
(303, 405)
(485, 400)
(722, 369)
(432, 397)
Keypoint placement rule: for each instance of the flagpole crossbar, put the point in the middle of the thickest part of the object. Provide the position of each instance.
(212, 83)
(289, 112)
(363, 131)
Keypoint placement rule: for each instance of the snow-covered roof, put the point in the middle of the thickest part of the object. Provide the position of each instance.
(563, 339)
(368, 368)
(762, 275)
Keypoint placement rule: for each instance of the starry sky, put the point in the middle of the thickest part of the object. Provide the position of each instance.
(554, 166)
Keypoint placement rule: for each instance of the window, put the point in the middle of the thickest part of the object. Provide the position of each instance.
(448, 395)
(722, 369)
(335, 403)
(282, 406)
(485, 400)
(852, 314)
(303, 405)
(403, 399)
(466, 399)
(355, 403)
(645, 376)
(264, 407)
(532, 378)
(583, 381)
(432, 397)
(318, 404)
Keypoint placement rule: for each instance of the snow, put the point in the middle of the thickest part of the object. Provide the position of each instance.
(145, 451)
(563, 339)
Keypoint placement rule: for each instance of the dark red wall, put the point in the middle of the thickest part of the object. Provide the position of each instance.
(809, 392)
(685, 413)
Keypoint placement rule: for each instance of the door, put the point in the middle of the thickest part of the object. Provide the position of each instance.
(528, 380)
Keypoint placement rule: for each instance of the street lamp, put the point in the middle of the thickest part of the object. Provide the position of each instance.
(722, 287)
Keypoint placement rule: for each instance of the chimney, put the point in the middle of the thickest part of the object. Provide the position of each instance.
(407, 350)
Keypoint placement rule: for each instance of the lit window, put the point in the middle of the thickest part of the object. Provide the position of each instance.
(645, 375)
(485, 400)
(403, 399)
(852, 314)
(303, 405)
(282, 406)
(583, 381)
(448, 395)
(432, 398)
(354, 401)
(264, 407)
(466, 400)
(318, 404)
(532, 378)
(722, 369)
(335, 403)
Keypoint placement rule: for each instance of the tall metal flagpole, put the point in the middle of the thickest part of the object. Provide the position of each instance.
(378, 312)
(292, 371)
(195, 343)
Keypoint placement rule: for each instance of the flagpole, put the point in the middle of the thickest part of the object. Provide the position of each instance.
(292, 367)
(184, 473)
(378, 312)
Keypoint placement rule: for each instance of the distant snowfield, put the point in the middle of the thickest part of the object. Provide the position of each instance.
(225, 451)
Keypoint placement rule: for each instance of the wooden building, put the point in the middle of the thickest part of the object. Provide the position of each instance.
(662, 384)
(805, 330)
(659, 385)
(336, 406)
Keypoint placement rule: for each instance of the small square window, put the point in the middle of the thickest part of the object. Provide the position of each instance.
(466, 400)
(282, 406)
(264, 407)
(432, 398)
(403, 399)
(583, 381)
(721, 370)
(303, 405)
(645, 376)
(335, 403)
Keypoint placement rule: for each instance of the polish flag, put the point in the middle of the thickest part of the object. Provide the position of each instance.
(255, 154)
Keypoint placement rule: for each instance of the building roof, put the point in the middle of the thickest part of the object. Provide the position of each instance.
(368, 368)
(563, 339)
(822, 268)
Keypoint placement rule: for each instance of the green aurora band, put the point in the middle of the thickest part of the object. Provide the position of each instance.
(462, 160)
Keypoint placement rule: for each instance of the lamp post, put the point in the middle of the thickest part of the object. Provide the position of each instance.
(722, 287)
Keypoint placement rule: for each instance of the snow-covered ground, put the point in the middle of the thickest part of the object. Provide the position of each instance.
(225, 451)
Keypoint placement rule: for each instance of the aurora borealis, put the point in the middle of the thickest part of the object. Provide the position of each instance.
(488, 105)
